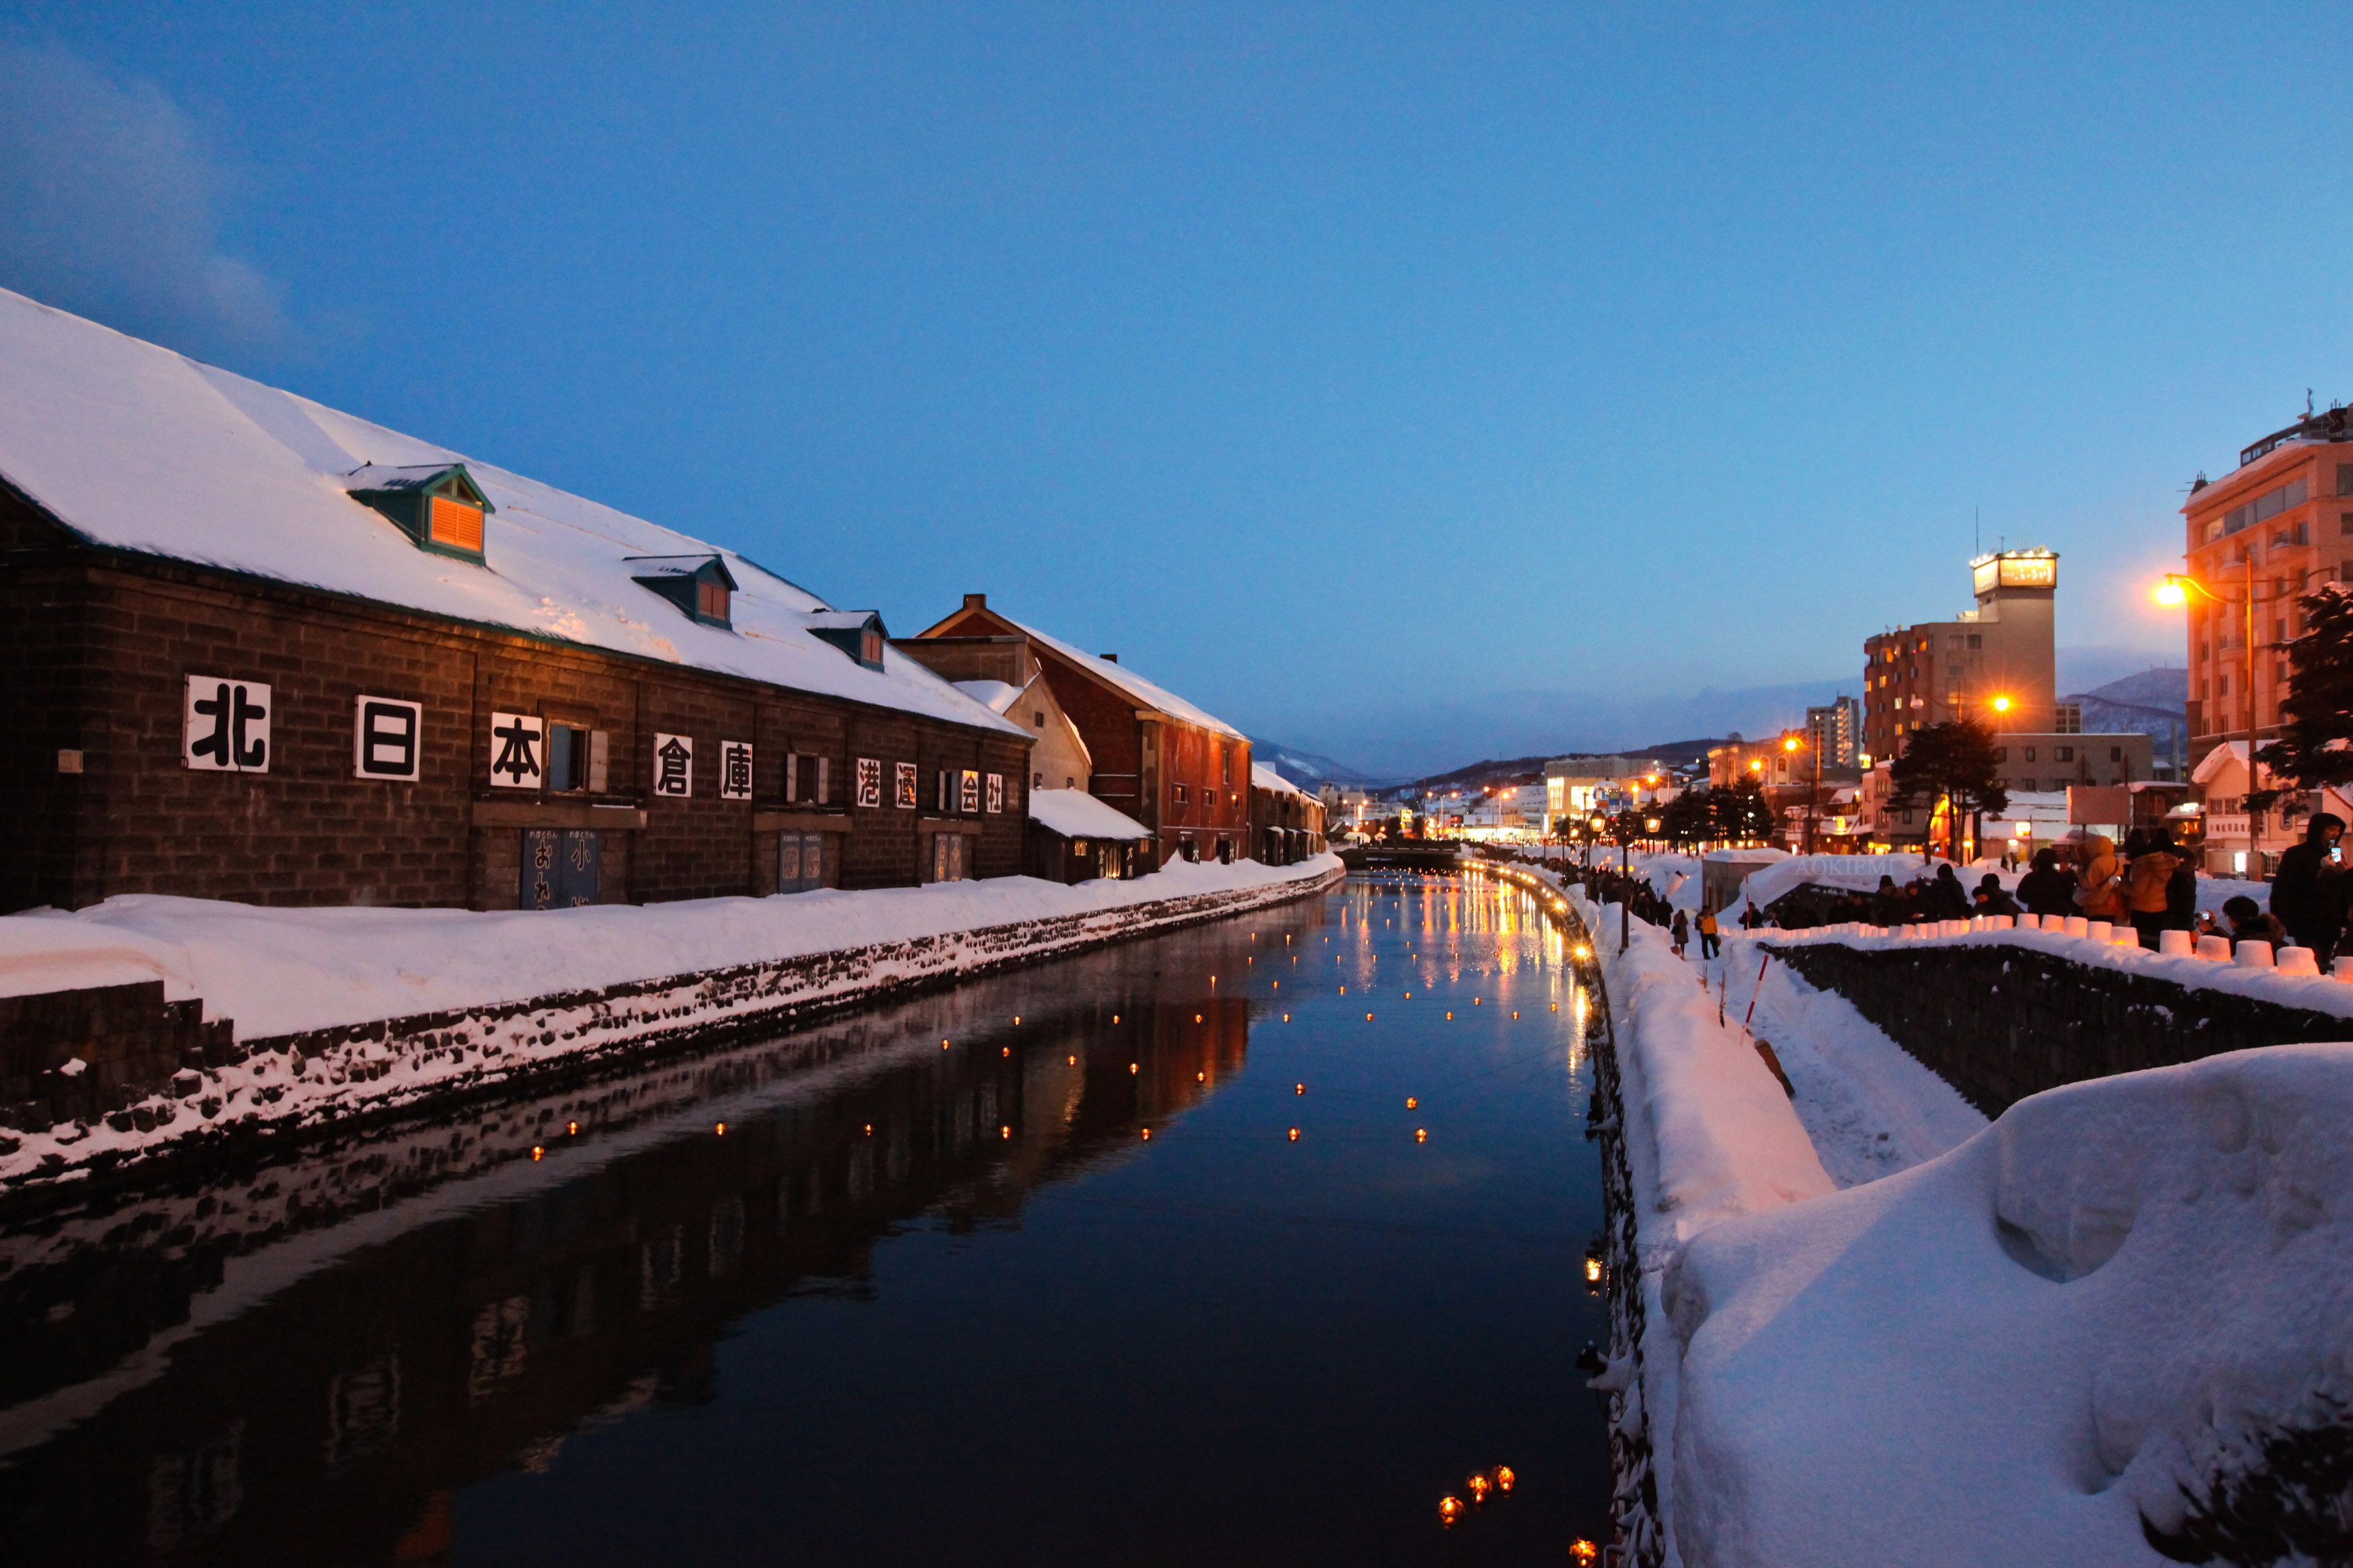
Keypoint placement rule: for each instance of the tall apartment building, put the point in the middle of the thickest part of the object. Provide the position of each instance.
(1836, 731)
(2278, 524)
(1996, 664)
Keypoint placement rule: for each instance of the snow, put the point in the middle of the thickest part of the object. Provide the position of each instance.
(1120, 679)
(504, 991)
(1075, 813)
(1266, 778)
(2014, 1352)
(135, 447)
(995, 696)
(1992, 1342)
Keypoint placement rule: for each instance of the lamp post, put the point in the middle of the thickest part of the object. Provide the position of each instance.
(1790, 744)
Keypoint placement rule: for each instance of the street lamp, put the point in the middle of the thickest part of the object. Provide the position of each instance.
(1814, 795)
(2174, 592)
(2001, 704)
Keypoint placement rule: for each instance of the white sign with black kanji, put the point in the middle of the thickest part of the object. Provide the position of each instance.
(870, 782)
(227, 726)
(518, 751)
(968, 791)
(905, 797)
(995, 798)
(735, 770)
(387, 739)
(674, 766)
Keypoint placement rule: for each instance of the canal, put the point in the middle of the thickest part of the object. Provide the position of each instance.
(1243, 1244)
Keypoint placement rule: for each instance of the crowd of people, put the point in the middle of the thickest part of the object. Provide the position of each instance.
(2149, 884)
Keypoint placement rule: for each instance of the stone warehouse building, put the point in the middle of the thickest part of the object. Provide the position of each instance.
(1178, 771)
(262, 650)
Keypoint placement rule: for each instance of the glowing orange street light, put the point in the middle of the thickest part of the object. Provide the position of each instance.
(2001, 704)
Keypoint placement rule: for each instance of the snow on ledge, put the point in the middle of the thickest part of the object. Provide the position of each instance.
(396, 1006)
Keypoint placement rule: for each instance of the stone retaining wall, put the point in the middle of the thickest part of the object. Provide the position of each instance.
(2000, 1022)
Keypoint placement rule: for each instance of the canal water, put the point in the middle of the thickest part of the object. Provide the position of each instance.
(1212, 1248)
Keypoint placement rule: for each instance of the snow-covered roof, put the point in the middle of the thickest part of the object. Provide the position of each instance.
(139, 448)
(995, 696)
(2230, 754)
(1267, 778)
(1075, 813)
(1137, 690)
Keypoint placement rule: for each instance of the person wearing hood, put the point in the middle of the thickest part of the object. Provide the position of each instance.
(2098, 895)
(2046, 889)
(1947, 900)
(2308, 890)
(2147, 881)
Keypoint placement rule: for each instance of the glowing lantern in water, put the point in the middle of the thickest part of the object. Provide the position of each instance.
(1410, 1102)
(1584, 1550)
(1477, 1487)
(1421, 1135)
(1504, 1479)
(1450, 1509)
(1294, 1135)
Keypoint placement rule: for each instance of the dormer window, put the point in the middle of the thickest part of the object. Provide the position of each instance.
(857, 633)
(699, 585)
(439, 506)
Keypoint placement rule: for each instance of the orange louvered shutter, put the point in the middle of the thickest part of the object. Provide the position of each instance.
(456, 525)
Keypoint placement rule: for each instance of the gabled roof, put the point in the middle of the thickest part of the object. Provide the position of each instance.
(682, 566)
(1143, 693)
(1075, 813)
(1267, 778)
(137, 448)
(996, 696)
(382, 476)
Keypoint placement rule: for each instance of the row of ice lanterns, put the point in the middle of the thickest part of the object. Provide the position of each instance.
(2249, 954)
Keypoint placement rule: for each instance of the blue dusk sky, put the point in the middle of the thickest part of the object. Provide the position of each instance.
(1411, 383)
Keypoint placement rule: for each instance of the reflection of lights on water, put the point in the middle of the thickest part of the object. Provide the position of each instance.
(1584, 1550)
(1450, 1509)
(1477, 1487)
(1504, 1479)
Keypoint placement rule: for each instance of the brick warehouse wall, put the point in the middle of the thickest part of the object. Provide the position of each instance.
(103, 644)
(2000, 1022)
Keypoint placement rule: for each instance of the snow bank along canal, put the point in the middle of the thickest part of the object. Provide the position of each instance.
(1865, 1325)
(1209, 1247)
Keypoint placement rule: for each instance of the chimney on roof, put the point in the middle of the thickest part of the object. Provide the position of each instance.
(1109, 657)
(975, 601)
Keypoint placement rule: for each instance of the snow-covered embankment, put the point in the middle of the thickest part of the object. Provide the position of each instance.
(339, 1012)
(2121, 1309)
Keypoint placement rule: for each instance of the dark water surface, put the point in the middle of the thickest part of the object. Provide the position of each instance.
(913, 1305)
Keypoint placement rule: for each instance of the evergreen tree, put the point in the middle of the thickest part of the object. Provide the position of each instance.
(1740, 811)
(2316, 744)
(1952, 762)
(1687, 820)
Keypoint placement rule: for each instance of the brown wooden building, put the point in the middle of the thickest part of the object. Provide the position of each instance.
(1286, 822)
(264, 651)
(1181, 772)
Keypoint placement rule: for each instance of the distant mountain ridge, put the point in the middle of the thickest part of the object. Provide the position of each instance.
(1309, 770)
(2154, 702)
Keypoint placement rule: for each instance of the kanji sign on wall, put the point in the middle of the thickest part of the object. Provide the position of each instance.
(674, 766)
(227, 725)
(870, 782)
(968, 792)
(387, 739)
(996, 796)
(518, 751)
(905, 782)
(735, 770)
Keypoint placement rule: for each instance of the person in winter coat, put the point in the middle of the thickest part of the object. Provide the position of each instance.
(2046, 889)
(2249, 923)
(2098, 885)
(2308, 890)
(1993, 899)
(2148, 887)
(1709, 944)
(1683, 932)
(1947, 900)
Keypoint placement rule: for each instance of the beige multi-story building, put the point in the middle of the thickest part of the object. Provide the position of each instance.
(1997, 664)
(2256, 540)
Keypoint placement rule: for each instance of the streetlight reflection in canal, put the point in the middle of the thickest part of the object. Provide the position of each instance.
(847, 1296)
